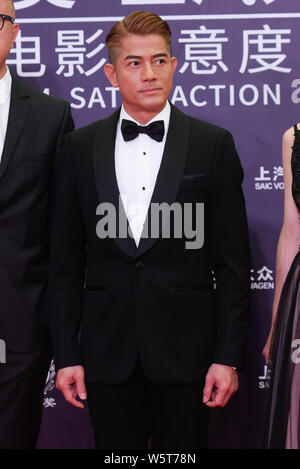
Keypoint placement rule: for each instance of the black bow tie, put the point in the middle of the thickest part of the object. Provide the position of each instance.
(130, 130)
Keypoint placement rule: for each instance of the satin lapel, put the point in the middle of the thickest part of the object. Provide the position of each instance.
(171, 169)
(105, 176)
(19, 108)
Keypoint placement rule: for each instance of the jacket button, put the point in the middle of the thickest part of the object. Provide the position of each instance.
(139, 265)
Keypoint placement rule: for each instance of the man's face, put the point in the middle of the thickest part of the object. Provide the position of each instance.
(143, 71)
(7, 35)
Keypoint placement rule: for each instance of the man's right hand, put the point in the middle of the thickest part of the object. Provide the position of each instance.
(70, 381)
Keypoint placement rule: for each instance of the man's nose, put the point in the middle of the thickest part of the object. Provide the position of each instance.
(148, 72)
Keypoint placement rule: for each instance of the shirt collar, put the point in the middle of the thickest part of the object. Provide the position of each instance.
(163, 115)
(5, 86)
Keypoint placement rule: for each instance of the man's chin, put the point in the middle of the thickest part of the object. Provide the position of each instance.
(153, 105)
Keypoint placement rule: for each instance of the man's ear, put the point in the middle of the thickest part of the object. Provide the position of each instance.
(15, 32)
(110, 72)
(174, 64)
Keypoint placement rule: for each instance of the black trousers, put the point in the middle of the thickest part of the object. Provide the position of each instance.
(141, 415)
(22, 381)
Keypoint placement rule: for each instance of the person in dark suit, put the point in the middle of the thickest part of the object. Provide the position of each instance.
(159, 345)
(31, 127)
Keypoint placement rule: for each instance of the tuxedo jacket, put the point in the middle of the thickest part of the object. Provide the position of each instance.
(35, 125)
(158, 301)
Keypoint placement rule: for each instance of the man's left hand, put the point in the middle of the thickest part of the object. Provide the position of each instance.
(220, 384)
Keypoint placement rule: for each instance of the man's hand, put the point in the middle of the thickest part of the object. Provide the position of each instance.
(220, 384)
(70, 381)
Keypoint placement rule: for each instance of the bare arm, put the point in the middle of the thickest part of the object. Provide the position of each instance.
(289, 238)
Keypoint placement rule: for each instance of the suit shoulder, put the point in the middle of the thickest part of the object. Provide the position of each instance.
(201, 128)
(40, 98)
(84, 133)
(89, 131)
(209, 129)
(207, 134)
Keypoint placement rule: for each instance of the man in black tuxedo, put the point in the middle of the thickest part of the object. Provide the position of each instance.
(31, 127)
(159, 345)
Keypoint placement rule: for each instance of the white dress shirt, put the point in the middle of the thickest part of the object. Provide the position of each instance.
(137, 163)
(5, 93)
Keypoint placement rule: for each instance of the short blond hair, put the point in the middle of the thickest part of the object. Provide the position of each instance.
(140, 23)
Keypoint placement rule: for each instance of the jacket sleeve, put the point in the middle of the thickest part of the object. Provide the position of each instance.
(231, 253)
(67, 265)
